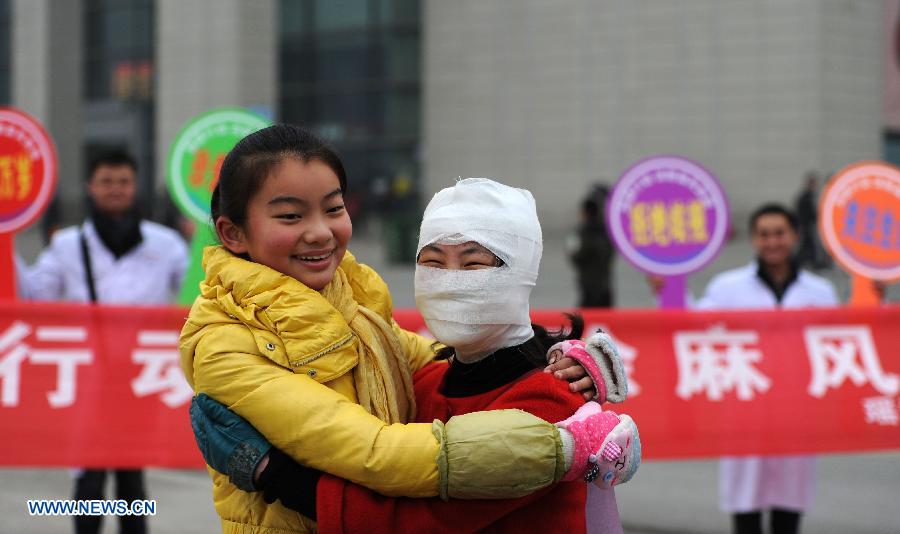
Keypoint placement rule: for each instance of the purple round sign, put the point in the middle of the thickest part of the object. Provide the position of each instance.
(668, 215)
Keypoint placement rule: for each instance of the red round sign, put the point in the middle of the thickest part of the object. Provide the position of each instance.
(27, 170)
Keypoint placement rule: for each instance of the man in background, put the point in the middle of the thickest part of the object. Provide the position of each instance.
(114, 256)
(784, 485)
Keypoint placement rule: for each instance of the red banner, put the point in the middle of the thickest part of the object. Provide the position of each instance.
(101, 386)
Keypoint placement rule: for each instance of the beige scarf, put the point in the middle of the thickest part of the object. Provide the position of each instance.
(383, 379)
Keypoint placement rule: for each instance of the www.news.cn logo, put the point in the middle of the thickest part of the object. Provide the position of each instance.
(120, 507)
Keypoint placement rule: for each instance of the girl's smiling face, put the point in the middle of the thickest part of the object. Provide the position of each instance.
(296, 223)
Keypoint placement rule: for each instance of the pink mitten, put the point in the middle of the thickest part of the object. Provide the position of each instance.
(610, 470)
(607, 448)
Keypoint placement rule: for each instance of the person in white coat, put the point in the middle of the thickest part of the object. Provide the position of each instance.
(22, 290)
(783, 484)
(113, 257)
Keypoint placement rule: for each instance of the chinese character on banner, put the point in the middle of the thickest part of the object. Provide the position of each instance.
(158, 352)
(841, 353)
(718, 361)
(628, 354)
(14, 351)
(881, 411)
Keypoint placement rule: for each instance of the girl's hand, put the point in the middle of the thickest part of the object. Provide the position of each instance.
(595, 368)
(565, 368)
(656, 283)
(229, 444)
(605, 447)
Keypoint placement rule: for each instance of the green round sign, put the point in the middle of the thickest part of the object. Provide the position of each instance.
(197, 154)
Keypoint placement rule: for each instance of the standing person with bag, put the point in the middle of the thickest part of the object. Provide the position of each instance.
(113, 257)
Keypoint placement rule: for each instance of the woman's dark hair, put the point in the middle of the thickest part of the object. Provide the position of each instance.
(535, 349)
(251, 161)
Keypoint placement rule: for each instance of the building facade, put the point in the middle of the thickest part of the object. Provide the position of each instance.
(555, 95)
(548, 96)
(130, 73)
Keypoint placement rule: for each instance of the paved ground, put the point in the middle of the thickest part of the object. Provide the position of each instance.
(855, 493)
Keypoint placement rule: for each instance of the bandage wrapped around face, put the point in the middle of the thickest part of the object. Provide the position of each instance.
(480, 311)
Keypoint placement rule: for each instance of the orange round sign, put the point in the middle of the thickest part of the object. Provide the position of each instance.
(27, 170)
(860, 219)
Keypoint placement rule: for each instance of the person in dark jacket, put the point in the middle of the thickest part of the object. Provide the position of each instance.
(806, 208)
(591, 252)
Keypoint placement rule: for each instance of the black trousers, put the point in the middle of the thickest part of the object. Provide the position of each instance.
(129, 486)
(593, 297)
(782, 522)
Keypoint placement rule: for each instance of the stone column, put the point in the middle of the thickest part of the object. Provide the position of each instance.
(210, 54)
(47, 70)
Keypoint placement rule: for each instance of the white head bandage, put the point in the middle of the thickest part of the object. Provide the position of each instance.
(480, 311)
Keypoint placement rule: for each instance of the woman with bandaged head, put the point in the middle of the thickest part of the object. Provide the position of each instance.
(480, 248)
(478, 256)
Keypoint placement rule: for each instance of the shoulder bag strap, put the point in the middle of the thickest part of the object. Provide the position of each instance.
(88, 271)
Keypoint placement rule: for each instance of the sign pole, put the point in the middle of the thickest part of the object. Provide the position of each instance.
(674, 288)
(204, 236)
(195, 158)
(7, 267)
(863, 293)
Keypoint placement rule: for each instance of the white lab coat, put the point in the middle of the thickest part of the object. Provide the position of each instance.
(751, 483)
(21, 277)
(149, 274)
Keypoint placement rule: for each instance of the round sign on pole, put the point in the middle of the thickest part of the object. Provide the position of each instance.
(197, 154)
(859, 220)
(27, 182)
(193, 172)
(669, 217)
(27, 170)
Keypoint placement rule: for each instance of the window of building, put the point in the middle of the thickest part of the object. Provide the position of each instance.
(118, 107)
(891, 147)
(337, 15)
(400, 12)
(349, 70)
(5, 53)
(118, 38)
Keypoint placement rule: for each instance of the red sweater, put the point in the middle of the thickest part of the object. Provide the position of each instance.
(346, 507)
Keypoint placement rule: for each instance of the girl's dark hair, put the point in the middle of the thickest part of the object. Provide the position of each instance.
(535, 349)
(249, 163)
